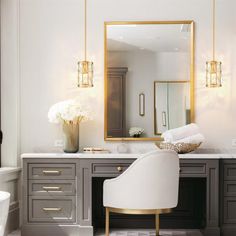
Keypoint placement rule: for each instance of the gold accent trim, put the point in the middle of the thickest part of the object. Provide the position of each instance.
(172, 81)
(139, 211)
(155, 212)
(85, 30)
(213, 66)
(108, 138)
(52, 209)
(107, 221)
(213, 28)
(47, 188)
(178, 22)
(157, 224)
(192, 73)
(51, 172)
(119, 168)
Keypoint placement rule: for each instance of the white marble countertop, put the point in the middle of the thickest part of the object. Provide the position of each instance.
(125, 156)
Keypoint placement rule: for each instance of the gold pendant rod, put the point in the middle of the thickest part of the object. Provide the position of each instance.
(85, 30)
(213, 27)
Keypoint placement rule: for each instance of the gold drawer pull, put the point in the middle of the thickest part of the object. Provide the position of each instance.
(51, 172)
(51, 188)
(52, 209)
(119, 168)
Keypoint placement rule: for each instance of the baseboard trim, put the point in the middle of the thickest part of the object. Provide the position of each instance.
(55, 230)
(212, 231)
(13, 218)
(228, 231)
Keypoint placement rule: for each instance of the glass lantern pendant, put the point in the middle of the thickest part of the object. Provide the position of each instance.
(85, 68)
(85, 76)
(213, 74)
(213, 68)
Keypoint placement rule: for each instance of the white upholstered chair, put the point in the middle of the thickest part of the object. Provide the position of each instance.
(149, 186)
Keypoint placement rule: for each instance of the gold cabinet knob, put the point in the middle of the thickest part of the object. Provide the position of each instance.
(119, 168)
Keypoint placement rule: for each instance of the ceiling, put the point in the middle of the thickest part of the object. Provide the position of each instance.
(154, 38)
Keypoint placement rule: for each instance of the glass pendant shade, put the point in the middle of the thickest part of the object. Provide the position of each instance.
(213, 74)
(85, 74)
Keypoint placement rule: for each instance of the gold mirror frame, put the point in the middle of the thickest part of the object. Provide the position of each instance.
(192, 72)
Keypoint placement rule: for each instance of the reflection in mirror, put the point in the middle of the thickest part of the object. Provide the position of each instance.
(171, 105)
(136, 56)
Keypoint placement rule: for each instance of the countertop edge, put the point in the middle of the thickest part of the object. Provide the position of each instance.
(121, 156)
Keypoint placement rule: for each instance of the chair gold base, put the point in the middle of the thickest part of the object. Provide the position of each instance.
(155, 212)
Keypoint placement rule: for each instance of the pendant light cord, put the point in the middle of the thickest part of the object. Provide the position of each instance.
(213, 28)
(85, 30)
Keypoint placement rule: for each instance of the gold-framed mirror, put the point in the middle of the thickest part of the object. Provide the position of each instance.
(146, 62)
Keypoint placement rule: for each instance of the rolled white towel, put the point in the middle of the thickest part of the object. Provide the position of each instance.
(180, 133)
(194, 139)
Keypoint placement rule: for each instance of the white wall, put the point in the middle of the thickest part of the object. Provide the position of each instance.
(51, 37)
(173, 66)
(10, 99)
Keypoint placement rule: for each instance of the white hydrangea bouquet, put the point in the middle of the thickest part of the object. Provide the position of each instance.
(69, 113)
(135, 132)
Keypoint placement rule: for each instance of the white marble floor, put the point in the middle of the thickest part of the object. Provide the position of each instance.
(15, 233)
(139, 232)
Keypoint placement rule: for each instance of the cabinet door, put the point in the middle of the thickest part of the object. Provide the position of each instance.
(230, 171)
(116, 104)
(229, 210)
(51, 209)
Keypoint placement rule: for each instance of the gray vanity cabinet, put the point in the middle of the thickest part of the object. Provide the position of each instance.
(228, 197)
(58, 188)
(50, 196)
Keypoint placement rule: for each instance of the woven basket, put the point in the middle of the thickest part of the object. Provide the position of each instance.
(180, 148)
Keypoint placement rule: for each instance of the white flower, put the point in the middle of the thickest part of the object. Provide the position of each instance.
(68, 111)
(135, 131)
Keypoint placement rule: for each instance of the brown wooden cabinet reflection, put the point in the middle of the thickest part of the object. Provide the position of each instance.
(116, 103)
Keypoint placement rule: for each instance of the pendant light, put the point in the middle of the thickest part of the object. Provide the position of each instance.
(213, 68)
(85, 68)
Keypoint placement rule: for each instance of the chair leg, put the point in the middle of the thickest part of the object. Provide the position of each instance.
(107, 221)
(157, 221)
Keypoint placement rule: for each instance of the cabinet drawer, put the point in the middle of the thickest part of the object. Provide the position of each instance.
(230, 210)
(52, 187)
(192, 168)
(46, 209)
(230, 188)
(51, 171)
(109, 168)
(229, 171)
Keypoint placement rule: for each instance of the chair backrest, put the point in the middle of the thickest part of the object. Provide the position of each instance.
(154, 181)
